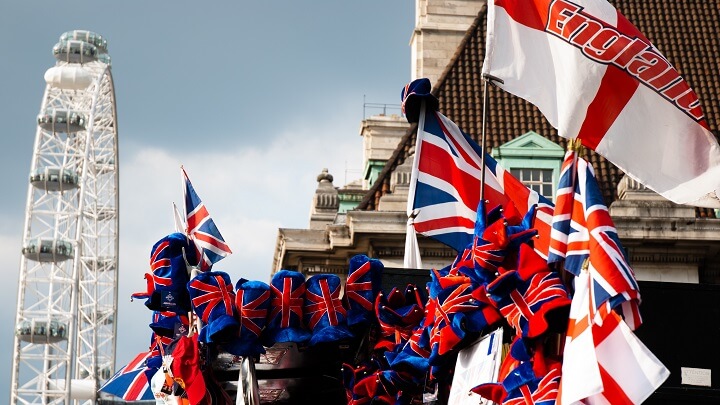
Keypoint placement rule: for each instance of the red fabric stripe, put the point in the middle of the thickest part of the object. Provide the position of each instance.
(196, 218)
(137, 386)
(530, 13)
(612, 391)
(442, 223)
(459, 149)
(616, 89)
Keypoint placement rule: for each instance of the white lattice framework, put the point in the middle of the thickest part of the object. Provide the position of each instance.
(65, 325)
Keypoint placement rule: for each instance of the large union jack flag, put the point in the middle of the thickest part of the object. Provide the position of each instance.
(584, 235)
(201, 228)
(131, 382)
(445, 186)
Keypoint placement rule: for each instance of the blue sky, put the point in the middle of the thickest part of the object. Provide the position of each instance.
(253, 98)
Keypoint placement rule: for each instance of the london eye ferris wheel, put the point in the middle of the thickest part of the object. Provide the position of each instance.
(65, 325)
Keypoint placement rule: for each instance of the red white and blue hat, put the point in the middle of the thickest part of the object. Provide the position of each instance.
(324, 312)
(168, 277)
(412, 96)
(285, 321)
(252, 301)
(213, 300)
(362, 286)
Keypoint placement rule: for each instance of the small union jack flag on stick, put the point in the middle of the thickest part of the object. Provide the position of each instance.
(201, 228)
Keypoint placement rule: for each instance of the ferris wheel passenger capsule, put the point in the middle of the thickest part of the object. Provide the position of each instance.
(41, 331)
(105, 58)
(74, 51)
(60, 120)
(68, 77)
(87, 36)
(54, 179)
(48, 250)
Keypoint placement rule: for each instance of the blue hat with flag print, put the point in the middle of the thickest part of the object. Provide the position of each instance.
(169, 324)
(526, 375)
(412, 96)
(324, 312)
(400, 311)
(285, 321)
(252, 300)
(532, 298)
(213, 300)
(167, 281)
(361, 288)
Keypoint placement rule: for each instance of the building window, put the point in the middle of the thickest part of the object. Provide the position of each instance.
(533, 160)
(539, 180)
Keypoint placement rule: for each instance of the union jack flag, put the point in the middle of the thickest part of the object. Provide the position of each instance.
(584, 234)
(287, 301)
(252, 308)
(322, 301)
(445, 186)
(206, 296)
(201, 228)
(131, 382)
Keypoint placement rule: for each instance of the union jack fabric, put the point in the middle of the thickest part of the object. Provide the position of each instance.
(457, 311)
(212, 295)
(285, 321)
(201, 228)
(605, 84)
(445, 186)
(399, 312)
(522, 386)
(213, 300)
(525, 297)
(131, 382)
(584, 232)
(361, 288)
(324, 311)
(167, 281)
(252, 301)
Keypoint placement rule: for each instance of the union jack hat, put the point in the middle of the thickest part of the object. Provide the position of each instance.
(169, 274)
(361, 288)
(400, 311)
(413, 356)
(285, 321)
(213, 300)
(526, 378)
(252, 301)
(458, 310)
(169, 324)
(413, 94)
(324, 312)
(531, 298)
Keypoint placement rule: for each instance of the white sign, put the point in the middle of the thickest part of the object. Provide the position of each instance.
(476, 364)
(695, 376)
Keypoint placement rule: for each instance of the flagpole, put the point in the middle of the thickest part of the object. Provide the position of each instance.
(486, 78)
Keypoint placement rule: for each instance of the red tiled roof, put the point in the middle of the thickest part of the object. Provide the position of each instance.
(687, 33)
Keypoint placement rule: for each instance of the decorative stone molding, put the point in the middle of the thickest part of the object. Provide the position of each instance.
(325, 202)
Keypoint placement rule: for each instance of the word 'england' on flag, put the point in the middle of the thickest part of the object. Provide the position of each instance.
(445, 186)
(596, 78)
